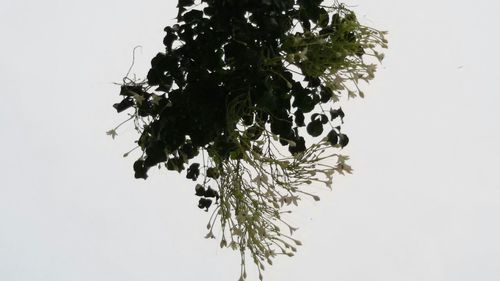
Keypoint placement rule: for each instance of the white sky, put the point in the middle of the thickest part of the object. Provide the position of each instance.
(423, 203)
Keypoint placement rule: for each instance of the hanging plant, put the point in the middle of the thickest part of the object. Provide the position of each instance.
(231, 99)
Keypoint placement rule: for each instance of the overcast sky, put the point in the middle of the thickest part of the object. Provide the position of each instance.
(423, 203)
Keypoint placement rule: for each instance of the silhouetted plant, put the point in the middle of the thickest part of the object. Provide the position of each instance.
(239, 82)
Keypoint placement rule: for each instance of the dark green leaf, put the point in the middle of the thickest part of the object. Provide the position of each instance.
(333, 137)
(193, 171)
(335, 113)
(140, 170)
(315, 128)
(123, 105)
(213, 173)
(185, 3)
(199, 190)
(299, 118)
(343, 140)
(300, 146)
(204, 203)
(211, 193)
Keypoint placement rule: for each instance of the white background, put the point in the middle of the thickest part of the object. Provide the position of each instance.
(423, 203)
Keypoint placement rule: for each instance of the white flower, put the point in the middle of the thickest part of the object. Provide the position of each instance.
(342, 167)
(337, 82)
(342, 158)
(351, 94)
(335, 98)
(223, 243)
(292, 229)
(370, 69)
(328, 172)
(356, 77)
(261, 179)
(112, 133)
(210, 235)
(329, 183)
(237, 231)
(379, 56)
(289, 200)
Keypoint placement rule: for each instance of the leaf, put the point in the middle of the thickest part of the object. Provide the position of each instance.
(129, 90)
(333, 137)
(315, 128)
(123, 105)
(140, 170)
(337, 113)
(185, 3)
(343, 140)
(211, 193)
(324, 119)
(204, 203)
(199, 190)
(169, 39)
(325, 94)
(175, 164)
(213, 173)
(192, 16)
(299, 118)
(324, 18)
(319, 117)
(300, 146)
(193, 171)
(155, 153)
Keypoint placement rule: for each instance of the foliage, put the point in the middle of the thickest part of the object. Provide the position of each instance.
(240, 82)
